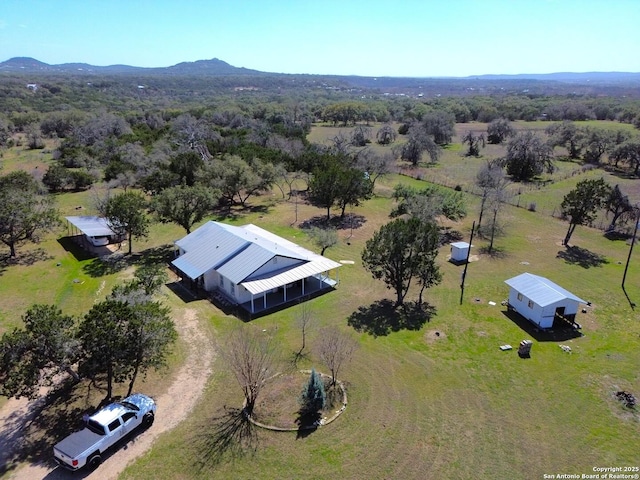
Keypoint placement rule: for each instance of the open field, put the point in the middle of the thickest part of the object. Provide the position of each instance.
(421, 405)
(453, 405)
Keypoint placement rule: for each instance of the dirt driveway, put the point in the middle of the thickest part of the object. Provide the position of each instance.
(173, 407)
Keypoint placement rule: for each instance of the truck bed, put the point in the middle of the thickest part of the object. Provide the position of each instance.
(78, 442)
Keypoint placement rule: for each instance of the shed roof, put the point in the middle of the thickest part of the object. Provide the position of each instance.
(461, 245)
(91, 226)
(540, 290)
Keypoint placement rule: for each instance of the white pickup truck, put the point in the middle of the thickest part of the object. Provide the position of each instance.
(102, 430)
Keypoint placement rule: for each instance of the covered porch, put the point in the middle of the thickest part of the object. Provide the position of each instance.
(266, 301)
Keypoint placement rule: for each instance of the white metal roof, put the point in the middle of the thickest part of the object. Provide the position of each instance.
(540, 290)
(91, 226)
(277, 279)
(207, 247)
(237, 252)
(460, 245)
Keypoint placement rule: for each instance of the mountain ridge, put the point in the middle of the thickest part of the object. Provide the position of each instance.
(219, 67)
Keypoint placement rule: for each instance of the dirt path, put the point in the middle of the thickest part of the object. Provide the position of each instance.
(173, 407)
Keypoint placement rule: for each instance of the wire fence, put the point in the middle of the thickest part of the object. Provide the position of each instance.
(525, 196)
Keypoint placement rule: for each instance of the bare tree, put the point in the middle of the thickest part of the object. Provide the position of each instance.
(386, 135)
(497, 198)
(340, 143)
(360, 136)
(373, 164)
(251, 357)
(489, 178)
(304, 320)
(475, 141)
(335, 348)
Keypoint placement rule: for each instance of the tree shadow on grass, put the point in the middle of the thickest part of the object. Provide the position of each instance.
(582, 257)
(350, 220)
(382, 317)
(229, 433)
(495, 253)
(616, 236)
(448, 235)
(24, 259)
(117, 262)
(31, 433)
(114, 263)
(307, 422)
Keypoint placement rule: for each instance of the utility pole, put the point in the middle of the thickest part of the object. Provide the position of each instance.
(466, 264)
(633, 241)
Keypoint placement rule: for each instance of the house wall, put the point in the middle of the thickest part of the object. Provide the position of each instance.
(244, 295)
(211, 280)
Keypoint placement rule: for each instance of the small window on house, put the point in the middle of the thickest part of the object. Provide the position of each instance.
(275, 260)
(221, 281)
(519, 296)
(233, 288)
(530, 304)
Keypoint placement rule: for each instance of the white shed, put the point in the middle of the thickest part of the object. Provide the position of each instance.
(540, 301)
(459, 251)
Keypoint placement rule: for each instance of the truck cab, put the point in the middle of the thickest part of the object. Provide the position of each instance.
(102, 430)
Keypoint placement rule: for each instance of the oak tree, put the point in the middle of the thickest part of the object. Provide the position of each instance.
(581, 204)
(25, 212)
(185, 205)
(32, 356)
(125, 214)
(403, 251)
(528, 156)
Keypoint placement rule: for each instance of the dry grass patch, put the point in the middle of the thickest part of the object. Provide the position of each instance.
(278, 404)
(434, 335)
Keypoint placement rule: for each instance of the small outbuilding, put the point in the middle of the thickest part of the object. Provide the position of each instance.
(91, 230)
(460, 251)
(541, 301)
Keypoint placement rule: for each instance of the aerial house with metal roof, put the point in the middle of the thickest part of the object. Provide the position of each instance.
(251, 267)
(541, 301)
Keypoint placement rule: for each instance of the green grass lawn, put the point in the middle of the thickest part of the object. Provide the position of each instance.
(421, 405)
(453, 405)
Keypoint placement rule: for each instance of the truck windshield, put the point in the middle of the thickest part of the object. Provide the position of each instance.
(130, 406)
(95, 427)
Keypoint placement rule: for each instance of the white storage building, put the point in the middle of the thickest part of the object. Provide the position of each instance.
(540, 301)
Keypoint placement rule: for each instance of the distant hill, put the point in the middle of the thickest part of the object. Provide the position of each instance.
(217, 67)
(569, 77)
(201, 67)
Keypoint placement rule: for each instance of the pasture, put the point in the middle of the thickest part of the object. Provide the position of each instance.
(429, 396)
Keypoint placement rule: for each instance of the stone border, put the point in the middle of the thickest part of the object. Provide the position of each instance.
(323, 420)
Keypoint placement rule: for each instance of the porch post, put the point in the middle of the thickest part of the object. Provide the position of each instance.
(252, 309)
(303, 286)
(285, 292)
(264, 300)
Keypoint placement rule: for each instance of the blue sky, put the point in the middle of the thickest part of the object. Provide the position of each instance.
(419, 38)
